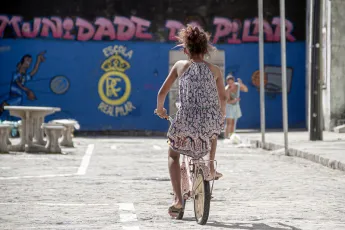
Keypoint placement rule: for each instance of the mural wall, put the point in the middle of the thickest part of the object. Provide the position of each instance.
(105, 70)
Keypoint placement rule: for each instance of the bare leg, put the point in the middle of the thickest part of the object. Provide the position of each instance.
(232, 125)
(212, 157)
(227, 128)
(175, 176)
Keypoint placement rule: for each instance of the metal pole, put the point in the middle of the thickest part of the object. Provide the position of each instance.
(315, 132)
(309, 36)
(261, 60)
(283, 60)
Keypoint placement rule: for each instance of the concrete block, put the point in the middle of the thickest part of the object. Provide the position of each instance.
(340, 129)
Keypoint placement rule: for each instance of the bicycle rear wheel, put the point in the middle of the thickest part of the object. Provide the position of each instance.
(202, 198)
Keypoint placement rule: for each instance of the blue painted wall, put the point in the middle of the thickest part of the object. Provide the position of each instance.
(80, 63)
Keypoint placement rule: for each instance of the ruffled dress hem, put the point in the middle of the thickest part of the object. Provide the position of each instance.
(187, 145)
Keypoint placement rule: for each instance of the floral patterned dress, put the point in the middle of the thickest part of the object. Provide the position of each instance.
(198, 119)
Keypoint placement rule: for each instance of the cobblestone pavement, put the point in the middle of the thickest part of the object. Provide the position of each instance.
(123, 183)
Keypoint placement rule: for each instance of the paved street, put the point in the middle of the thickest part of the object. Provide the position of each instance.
(123, 183)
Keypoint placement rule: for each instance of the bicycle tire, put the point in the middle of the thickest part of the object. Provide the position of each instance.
(202, 219)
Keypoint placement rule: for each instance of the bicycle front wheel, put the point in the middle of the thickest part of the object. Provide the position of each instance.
(202, 198)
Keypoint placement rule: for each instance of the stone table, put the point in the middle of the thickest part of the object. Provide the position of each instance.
(32, 119)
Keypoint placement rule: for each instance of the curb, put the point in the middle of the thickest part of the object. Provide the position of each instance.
(330, 163)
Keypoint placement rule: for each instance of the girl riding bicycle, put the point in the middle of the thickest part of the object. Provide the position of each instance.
(201, 107)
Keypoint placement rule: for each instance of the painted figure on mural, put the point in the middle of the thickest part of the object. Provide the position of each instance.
(18, 89)
(233, 109)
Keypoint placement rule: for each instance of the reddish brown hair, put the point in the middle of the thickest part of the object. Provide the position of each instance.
(195, 40)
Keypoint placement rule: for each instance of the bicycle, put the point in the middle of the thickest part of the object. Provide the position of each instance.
(197, 173)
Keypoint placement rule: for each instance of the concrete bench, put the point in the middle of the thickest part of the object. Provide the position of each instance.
(70, 125)
(20, 128)
(4, 137)
(11, 127)
(340, 129)
(53, 133)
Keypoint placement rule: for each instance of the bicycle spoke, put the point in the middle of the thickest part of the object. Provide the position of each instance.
(198, 186)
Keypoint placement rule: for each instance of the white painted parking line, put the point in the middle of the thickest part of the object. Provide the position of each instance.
(81, 170)
(128, 215)
(126, 206)
(86, 160)
(156, 147)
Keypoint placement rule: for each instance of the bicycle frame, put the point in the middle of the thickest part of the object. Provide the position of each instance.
(193, 166)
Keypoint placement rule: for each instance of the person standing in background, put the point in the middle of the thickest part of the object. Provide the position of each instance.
(233, 109)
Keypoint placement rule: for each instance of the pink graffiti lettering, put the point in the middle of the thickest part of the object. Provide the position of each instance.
(289, 29)
(232, 31)
(4, 21)
(246, 37)
(125, 28)
(142, 26)
(268, 31)
(85, 29)
(235, 30)
(105, 28)
(223, 28)
(14, 22)
(173, 27)
(26, 30)
(68, 27)
(54, 25)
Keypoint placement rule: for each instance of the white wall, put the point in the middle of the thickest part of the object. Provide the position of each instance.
(334, 63)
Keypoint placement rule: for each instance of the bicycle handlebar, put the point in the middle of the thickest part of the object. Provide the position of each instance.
(169, 118)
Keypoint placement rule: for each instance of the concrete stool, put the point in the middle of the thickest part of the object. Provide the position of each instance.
(20, 128)
(53, 132)
(12, 125)
(340, 129)
(4, 137)
(70, 125)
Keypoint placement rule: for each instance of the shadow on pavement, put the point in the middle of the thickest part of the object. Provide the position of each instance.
(253, 226)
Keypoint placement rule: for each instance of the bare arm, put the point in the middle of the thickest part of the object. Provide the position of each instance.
(234, 101)
(40, 58)
(19, 84)
(35, 69)
(164, 90)
(221, 90)
(243, 87)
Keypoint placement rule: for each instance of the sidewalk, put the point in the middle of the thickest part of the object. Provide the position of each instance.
(330, 152)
